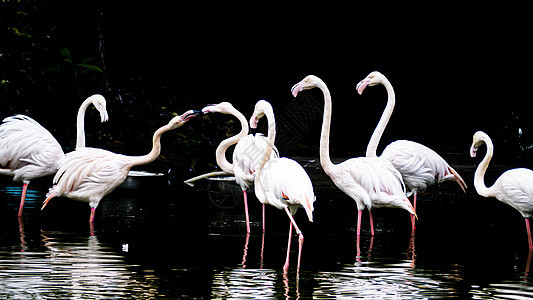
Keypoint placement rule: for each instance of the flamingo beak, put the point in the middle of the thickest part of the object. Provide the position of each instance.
(208, 109)
(104, 116)
(189, 114)
(362, 85)
(473, 151)
(297, 88)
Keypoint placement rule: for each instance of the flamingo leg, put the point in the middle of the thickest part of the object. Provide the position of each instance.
(371, 223)
(23, 197)
(359, 217)
(413, 221)
(91, 219)
(528, 228)
(246, 211)
(263, 218)
(300, 242)
(286, 265)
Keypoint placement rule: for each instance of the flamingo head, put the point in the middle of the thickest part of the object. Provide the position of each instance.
(309, 82)
(222, 107)
(479, 138)
(261, 107)
(372, 79)
(180, 120)
(99, 102)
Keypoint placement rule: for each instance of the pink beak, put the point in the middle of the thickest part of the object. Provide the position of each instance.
(362, 85)
(473, 151)
(296, 88)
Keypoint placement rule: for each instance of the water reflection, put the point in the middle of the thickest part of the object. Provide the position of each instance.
(385, 279)
(68, 266)
(244, 284)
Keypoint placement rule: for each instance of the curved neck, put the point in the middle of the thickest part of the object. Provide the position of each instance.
(156, 148)
(80, 124)
(225, 144)
(325, 160)
(372, 147)
(479, 176)
(266, 155)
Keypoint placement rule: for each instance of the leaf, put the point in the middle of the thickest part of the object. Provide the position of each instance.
(91, 67)
(66, 53)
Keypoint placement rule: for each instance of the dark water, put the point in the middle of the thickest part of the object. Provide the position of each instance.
(170, 240)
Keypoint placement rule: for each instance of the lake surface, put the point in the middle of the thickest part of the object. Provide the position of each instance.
(168, 240)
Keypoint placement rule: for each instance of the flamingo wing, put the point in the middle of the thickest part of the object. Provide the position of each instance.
(419, 165)
(515, 188)
(246, 157)
(27, 148)
(89, 173)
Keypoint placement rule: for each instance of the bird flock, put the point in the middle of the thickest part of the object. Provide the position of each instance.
(404, 168)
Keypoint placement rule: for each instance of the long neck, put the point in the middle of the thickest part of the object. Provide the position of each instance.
(380, 128)
(266, 155)
(225, 144)
(325, 160)
(80, 124)
(156, 149)
(479, 176)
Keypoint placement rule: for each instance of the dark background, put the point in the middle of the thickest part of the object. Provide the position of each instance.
(455, 70)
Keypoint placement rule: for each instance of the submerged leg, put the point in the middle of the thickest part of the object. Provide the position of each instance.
(300, 241)
(246, 211)
(528, 228)
(286, 265)
(23, 198)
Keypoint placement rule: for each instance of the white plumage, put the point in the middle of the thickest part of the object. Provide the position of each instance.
(89, 174)
(514, 187)
(246, 155)
(28, 150)
(282, 182)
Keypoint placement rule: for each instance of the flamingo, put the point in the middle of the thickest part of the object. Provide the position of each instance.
(514, 187)
(281, 182)
(370, 181)
(28, 150)
(89, 174)
(244, 162)
(419, 165)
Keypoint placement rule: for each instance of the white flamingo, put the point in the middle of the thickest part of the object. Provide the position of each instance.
(370, 181)
(281, 182)
(89, 174)
(419, 165)
(28, 150)
(514, 187)
(244, 162)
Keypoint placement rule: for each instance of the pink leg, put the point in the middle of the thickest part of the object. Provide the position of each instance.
(528, 228)
(371, 223)
(359, 216)
(300, 242)
(91, 219)
(246, 212)
(413, 221)
(263, 218)
(23, 198)
(286, 265)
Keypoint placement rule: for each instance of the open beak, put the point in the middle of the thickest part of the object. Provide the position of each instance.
(362, 85)
(190, 114)
(296, 88)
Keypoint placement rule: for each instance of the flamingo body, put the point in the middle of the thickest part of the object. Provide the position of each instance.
(27, 149)
(419, 165)
(514, 187)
